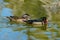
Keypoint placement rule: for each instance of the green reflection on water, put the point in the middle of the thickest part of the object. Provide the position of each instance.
(35, 31)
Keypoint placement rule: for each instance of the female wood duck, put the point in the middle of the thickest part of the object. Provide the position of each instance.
(24, 18)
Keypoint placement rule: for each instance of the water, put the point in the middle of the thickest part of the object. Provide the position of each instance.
(8, 34)
(16, 31)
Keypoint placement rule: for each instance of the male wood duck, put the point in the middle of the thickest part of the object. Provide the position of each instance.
(42, 21)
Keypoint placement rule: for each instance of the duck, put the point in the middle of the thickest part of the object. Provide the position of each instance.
(15, 19)
(41, 21)
(24, 18)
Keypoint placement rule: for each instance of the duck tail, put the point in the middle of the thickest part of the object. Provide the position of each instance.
(9, 18)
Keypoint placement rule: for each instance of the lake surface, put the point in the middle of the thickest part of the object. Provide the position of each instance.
(20, 31)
